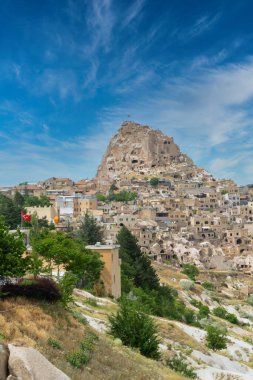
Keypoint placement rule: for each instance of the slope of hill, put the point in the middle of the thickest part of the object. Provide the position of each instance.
(56, 333)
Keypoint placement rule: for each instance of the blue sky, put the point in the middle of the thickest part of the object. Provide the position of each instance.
(72, 70)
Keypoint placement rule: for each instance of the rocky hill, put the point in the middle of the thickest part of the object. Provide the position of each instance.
(138, 150)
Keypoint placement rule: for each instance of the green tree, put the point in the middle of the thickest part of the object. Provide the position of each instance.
(86, 264)
(42, 201)
(135, 329)
(101, 197)
(191, 271)
(67, 285)
(18, 199)
(10, 211)
(53, 247)
(136, 267)
(123, 196)
(216, 338)
(56, 249)
(154, 181)
(12, 260)
(203, 311)
(89, 231)
(221, 312)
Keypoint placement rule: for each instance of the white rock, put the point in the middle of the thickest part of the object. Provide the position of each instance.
(29, 364)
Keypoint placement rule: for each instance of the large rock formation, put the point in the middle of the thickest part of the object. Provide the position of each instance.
(29, 364)
(140, 150)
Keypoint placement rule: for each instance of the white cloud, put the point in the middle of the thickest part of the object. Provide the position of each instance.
(133, 12)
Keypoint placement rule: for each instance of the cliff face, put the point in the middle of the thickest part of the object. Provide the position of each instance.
(139, 149)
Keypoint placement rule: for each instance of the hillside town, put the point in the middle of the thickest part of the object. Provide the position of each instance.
(178, 212)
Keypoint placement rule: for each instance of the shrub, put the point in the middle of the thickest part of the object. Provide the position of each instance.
(216, 338)
(179, 364)
(207, 285)
(154, 181)
(191, 271)
(135, 329)
(203, 311)
(67, 285)
(221, 312)
(41, 288)
(53, 343)
(82, 356)
(77, 358)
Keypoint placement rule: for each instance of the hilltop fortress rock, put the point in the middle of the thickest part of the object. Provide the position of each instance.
(138, 150)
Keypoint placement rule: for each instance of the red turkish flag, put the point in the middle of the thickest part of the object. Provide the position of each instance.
(26, 217)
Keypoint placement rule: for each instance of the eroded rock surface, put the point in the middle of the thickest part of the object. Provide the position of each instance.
(142, 150)
(29, 364)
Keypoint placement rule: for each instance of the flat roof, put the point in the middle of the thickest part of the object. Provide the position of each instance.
(102, 246)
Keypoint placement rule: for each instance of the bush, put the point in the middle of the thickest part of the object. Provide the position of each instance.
(216, 338)
(135, 329)
(53, 343)
(41, 288)
(154, 181)
(203, 311)
(67, 285)
(179, 364)
(221, 312)
(207, 285)
(77, 358)
(82, 356)
(191, 271)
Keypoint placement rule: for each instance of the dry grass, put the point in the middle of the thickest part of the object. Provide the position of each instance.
(171, 331)
(31, 324)
(166, 275)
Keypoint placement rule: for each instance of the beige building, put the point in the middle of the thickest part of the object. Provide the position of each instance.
(83, 205)
(111, 275)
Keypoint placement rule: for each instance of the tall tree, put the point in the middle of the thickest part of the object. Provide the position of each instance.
(136, 266)
(90, 232)
(18, 199)
(12, 260)
(10, 211)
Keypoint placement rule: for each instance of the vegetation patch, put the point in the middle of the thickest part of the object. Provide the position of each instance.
(179, 364)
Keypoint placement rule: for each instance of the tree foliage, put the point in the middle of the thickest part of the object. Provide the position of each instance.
(221, 312)
(31, 201)
(191, 271)
(216, 338)
(136, 267)
(10, 211)
(141, 283)
(154, 181)
(90, 232)
(12, 260)
(56, 249)
(135, 329)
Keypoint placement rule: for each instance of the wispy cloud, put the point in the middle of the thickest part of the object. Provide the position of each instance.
(199, 27)
(133, 12)
(100, 21)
